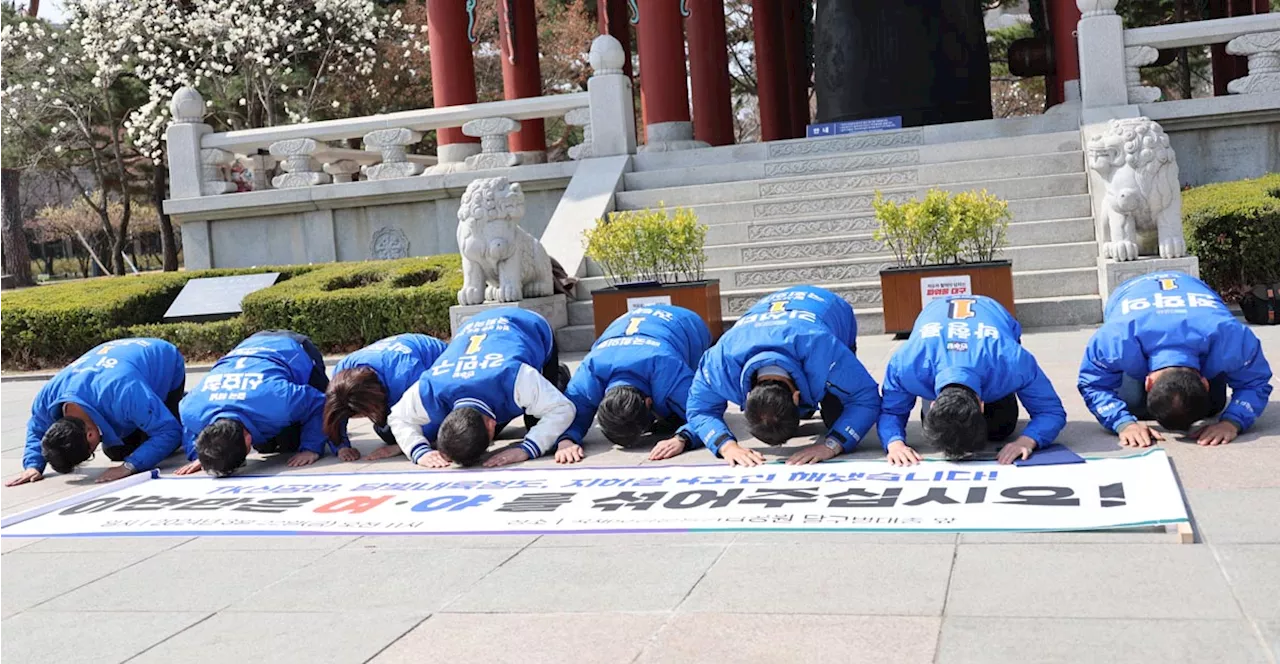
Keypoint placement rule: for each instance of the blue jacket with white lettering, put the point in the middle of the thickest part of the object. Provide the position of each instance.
(397, 360)
(809, 333)
(1171, 319)
(972, 341)
(480, 366)
(654, 349)
(122, 385)
(263, 384)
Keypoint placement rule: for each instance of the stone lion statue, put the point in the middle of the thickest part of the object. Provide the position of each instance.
(501, 262)
(1135, 159)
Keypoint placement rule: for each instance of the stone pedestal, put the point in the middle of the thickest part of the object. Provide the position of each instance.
(1111, 274)
(669, 137)
(554, 308)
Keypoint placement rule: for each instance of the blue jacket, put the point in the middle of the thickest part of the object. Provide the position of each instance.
(263, 384)
(654, 349)
(397, 360)
(480, 366)
(970, 341)
(806, 331)
(1171, 319)
(122, 385)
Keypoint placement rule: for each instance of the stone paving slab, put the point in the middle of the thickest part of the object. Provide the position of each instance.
(769, 638)
(861, 579)
(1254, 570)
(1051, 640)
(1236, 516)
(31, 579)
(283, 637)
(1089, 581)
(62, 637)
(525, 638)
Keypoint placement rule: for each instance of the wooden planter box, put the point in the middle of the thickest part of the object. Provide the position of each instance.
(901, 289)
(700, 297)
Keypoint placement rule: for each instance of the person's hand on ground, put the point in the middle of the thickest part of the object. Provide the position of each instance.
(193, 467)
(303, 458)
(738, 455)
(115, 473)
(665, 449)
(29, 475)
(1137, 434)
(1018, 449)
(1217, 434)
(814, 453)
(901, 454)
(569, 452)
(433, 459)
(385, 452)
(349, 454)
(507, 457)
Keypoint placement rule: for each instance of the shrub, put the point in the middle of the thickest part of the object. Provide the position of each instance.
(1234, 229)
(649, 245)
(198, 342)
(52, 325)
(343, 306)
(943, 228)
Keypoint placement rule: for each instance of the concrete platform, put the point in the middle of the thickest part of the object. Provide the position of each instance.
(716, 597)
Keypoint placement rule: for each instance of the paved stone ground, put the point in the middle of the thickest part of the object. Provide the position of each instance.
(763, 597)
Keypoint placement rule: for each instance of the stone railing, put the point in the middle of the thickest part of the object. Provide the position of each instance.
(1111, 56)
(305, 155)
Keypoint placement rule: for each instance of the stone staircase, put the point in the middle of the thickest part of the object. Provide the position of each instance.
(796, 212)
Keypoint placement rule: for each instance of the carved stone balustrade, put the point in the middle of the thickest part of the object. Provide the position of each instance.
(213, 172)
(1263, 51)
(300, 167)
(1136, 57)
(492, 133)
(580, 117)
(342, 170)
(393, 144)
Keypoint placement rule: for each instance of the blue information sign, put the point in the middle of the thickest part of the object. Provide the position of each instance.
(854, 126)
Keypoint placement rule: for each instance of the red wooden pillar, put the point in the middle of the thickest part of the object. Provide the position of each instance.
(521, 75)
(796, 68)
(771, 70)
(1227, 68)
(613, 19)
(453, 71)
(662, 72)
(709, 73)
(1064, 15)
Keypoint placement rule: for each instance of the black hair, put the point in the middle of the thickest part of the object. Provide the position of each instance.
(66, 444)
(955, 423)
(220, 447)
(624, 415)
(463, 436)
(1178, 399)
(772, 416)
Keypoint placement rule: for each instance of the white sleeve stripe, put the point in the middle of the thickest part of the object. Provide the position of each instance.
(531, 448)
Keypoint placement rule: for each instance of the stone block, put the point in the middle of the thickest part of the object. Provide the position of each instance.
(554, 308)
(967, 640)
(600, 579)
(1111, 273)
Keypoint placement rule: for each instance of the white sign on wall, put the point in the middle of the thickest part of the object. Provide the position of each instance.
(634, 303)
(935, 496)
(932, 288)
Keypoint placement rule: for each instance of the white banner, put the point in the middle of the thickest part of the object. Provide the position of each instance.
(932, 288)
(854, 495)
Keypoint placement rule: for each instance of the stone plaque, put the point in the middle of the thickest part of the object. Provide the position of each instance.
(215, 298)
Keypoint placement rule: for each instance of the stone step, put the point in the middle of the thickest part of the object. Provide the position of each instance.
(576, 338)
(814, 188)
(580, 312)
(1003, 157)
(1034, 131)
(1036, 201)
(1025, 235)
(692, 191)
(1030, 278)
(863, 224)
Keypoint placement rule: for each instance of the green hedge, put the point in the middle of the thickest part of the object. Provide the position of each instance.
(341, 306)
(346, 305)
(1234, 228)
